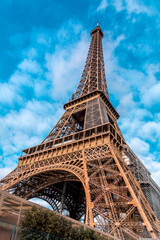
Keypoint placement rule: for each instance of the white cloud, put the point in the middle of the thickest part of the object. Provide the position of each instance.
(126, 103)
(116, 83)
(102, 5)
(9, 161)
(136, 6)
(4, 171)
(152, 95)
(66, 31)
(44, 39)
(24, 129)
(139, 146)
(27, 127)
(132, 6)
(30, 66)
(7, 94)
(118, 4)
(65, 67)
(30, 53)
(20, 79)
(151, 130)
(14, 91)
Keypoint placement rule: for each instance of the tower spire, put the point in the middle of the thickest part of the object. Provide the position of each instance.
(93, 76)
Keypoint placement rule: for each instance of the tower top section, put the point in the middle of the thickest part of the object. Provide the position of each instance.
(97, 29)
(93, 76)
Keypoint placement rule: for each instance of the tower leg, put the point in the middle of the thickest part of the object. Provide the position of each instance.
(89, 206)
(63, 197)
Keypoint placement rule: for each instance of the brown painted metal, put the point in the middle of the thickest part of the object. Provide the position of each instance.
(79, 168)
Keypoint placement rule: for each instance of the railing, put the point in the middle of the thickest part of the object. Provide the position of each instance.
(85, 134)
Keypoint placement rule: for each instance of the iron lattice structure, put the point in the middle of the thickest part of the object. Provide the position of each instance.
(84, 168)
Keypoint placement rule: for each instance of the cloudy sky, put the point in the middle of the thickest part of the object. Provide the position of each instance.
(43, 47)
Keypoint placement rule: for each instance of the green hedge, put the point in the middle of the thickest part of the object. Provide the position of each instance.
(41, 224)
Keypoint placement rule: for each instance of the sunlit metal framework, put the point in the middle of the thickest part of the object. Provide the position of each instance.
(84, 168)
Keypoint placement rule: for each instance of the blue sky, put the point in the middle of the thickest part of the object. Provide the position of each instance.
(43, 46)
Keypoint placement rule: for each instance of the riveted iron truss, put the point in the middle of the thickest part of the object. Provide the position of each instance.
(93, 76)
(84, 168)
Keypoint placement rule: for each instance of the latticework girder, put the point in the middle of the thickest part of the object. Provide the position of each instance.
(83, 168)
(93, 76)
(118, 206)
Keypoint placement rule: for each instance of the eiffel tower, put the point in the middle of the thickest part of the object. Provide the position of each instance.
(84, 168)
